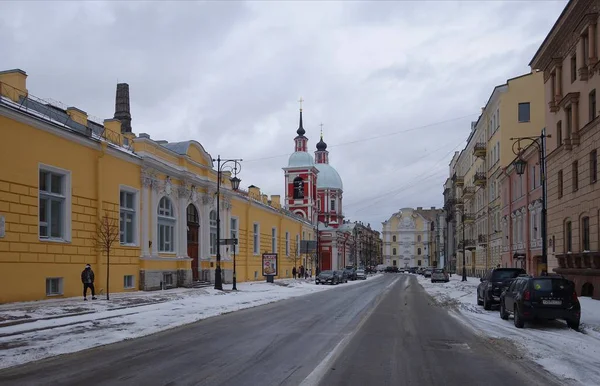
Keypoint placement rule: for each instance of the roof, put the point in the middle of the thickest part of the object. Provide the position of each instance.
(328, 178)
(183, 147)
(300, 159)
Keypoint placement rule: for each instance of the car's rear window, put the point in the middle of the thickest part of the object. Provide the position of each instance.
(438, 271)
(556, 286)
(504, 274)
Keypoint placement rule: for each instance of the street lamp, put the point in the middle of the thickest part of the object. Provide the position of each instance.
(234, 166)
(520, 164)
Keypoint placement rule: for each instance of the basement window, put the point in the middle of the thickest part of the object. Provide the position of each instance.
(54, 286)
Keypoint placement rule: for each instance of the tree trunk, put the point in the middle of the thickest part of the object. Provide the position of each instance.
(107, 275)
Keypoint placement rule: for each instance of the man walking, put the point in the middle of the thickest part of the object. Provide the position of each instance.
(87, 278)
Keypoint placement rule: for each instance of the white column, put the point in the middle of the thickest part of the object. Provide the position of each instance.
(182, 227)
(145, 219)
(154, 215)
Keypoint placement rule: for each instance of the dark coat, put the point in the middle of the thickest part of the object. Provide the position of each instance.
(87, 276)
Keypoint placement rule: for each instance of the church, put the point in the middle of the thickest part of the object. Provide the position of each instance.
(314, 191)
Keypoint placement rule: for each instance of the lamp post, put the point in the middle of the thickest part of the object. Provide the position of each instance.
(520, 164)
(235, 166)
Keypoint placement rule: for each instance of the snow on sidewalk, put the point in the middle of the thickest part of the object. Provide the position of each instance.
(112, 321)
(569, 354)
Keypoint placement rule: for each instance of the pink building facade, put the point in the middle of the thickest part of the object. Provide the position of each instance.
(521, 223)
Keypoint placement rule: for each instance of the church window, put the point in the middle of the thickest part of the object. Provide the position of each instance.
(394, 251)
(394, 238)
(332, 204)
(419, 238)
(298, 188)
(418, 251)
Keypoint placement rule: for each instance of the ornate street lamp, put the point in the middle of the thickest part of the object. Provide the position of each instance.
(540, 143)
(234, 166)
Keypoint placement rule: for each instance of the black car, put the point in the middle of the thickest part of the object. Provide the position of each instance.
(327, 277)
(544, 297)
(351, 272)
(492, 284)
(393, 269)
(341, 276)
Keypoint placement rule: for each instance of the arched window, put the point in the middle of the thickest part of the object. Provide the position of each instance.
(213, 232)
(419, 238)
(394, 251)
(418, 251)
(394, 238)
(166, 225)
(298, 188)
(585, 234)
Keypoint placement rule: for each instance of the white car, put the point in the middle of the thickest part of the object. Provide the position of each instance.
(360, 274)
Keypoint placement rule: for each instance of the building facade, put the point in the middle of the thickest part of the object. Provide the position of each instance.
(160, 198)
(514, 109)
(410, 238)
(568, 58)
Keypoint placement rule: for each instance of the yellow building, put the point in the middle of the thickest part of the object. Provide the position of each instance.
(409, 238)
(67, 172)
(514, 109)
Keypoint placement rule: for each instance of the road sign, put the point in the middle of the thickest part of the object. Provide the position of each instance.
(308, 246)
(228, 241)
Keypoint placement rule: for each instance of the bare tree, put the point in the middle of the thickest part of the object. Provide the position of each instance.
(107, 234)
(295, 257)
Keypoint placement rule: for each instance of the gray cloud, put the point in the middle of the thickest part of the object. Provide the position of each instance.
(228, 74)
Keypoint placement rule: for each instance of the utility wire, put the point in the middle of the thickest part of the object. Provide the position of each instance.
(370, 138)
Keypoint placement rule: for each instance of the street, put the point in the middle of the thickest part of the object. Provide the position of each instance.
(394, 336)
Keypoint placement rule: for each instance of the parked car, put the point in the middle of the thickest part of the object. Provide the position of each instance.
(326, 277)
(393, 269)
(427, 272)
(545, 297)
(492, 284)
(351, 273)
(341, 276)
(439, 274)
(360, 274)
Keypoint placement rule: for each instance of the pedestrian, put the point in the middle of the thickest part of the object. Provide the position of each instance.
(294, 272)
(87, 278)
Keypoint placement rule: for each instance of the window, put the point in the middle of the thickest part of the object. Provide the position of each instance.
(127, 217)
(418, 251)
(167, 279)
(568, 237)
(54, 286)
(394, 251)
(585, 234)
(166, 225)
(394, 238)
(128, 281)
(575, 177)
(419, 238)
(533, 179)
(592, 105)
(54, 213)
(586, 45)
(560, 183)
(287, 243)
(524, 113)
(298, 188)
(498, 118)
(298, 245)
(593, 166)
(255, 239)
(332, 207)
(573, 68)
(569, 119)
(212, 221)
(274, 240)
(534, 226)
(558, 133)
(234, 230)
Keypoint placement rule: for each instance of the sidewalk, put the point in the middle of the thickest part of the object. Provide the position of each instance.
(36, 330)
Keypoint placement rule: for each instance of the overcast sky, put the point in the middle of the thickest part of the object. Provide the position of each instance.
(395, 84)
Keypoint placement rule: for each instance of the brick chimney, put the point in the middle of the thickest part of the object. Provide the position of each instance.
(122, 109)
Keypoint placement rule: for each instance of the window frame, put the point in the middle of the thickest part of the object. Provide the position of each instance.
(274, 240)
(568, 235)
(134, 211)
(61, 287)
(234, 232)
(168, 223)
(256, 239)
(592, 105)
(65, 198)
(212, 232)
(585, 234)
(519, 118)
(575, 175)
(287, 243)
(125, 286)
(593, 166)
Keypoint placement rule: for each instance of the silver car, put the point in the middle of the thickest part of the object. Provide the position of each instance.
(439, 274)
(360, 274)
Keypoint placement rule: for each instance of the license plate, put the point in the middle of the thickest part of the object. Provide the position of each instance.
(552, 302)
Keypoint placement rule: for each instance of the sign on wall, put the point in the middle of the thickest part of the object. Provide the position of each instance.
(269, 262)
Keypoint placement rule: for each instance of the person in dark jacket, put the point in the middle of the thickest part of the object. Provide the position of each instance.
(87, 278)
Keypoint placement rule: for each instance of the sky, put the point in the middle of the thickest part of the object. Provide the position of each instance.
(395, 84)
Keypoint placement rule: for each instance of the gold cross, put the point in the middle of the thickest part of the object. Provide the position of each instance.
(301, 100)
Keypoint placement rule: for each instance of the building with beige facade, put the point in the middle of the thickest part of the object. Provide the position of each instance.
(568, 58)
(410, 238)
(514, 109)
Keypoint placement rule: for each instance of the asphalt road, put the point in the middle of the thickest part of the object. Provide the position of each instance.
(380, 332)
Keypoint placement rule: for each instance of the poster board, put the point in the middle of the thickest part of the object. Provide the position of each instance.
(270, 264)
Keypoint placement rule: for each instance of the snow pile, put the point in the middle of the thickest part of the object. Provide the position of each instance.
(127, 316)
(568, 354)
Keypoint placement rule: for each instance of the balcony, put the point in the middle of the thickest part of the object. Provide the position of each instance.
(458, 181)
(482, 239)
(480, 150)
(479, 179)
(470, 245)
(468, 191)
(587, 260)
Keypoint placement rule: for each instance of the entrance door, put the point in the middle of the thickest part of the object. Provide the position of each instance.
(193, 227)
(325, 261)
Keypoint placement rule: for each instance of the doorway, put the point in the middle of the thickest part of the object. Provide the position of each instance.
(193, 228)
